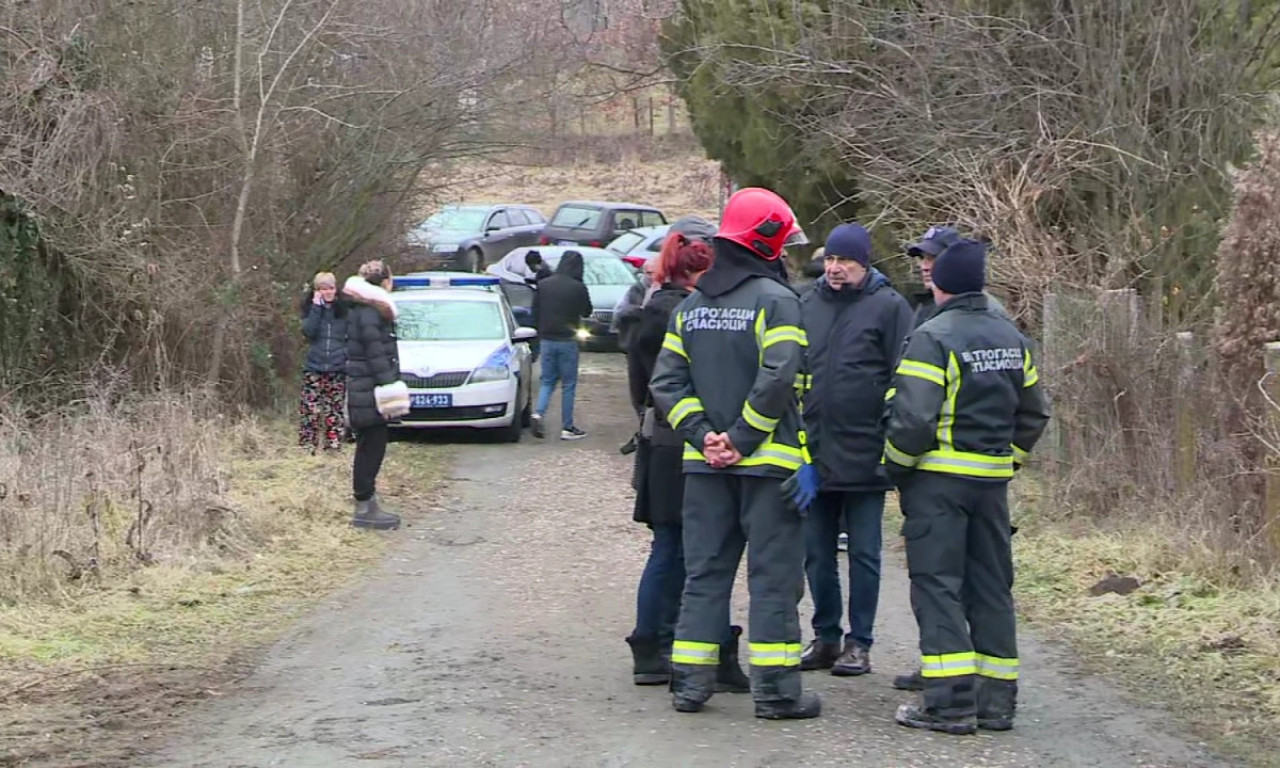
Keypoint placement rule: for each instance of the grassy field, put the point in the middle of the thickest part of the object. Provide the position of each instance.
(88, 666)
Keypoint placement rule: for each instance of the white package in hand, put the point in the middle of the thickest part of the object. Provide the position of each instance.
(392, 399)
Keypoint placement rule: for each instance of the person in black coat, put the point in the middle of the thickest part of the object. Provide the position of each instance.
(560, 303)
(659, 479)
(856, 323)
(372, 362)
(324, 374)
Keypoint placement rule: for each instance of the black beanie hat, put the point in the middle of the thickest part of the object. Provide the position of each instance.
(961, 268)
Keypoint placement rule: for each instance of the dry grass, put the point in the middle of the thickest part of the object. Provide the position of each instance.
(245, 530)
(1201, 635)
(682, 184)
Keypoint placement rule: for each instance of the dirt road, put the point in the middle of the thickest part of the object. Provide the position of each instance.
(493, 636)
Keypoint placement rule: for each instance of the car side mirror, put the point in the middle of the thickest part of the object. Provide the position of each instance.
(524, 334)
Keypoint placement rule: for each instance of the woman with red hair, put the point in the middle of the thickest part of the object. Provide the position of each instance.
(659, 478)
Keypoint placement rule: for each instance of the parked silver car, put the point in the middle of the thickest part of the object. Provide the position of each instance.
(471, 237)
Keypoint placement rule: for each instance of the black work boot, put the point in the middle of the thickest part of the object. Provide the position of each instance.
(912, 681)
(819, 655)
(997, 704)
(729, 675)
(855, 661)
(779, 694)
(369, 514)
(803, 708)
(947, 705)
(648, 665)
(691, 686)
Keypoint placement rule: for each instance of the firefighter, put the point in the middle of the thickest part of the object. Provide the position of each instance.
(726, 381)
(966, 410)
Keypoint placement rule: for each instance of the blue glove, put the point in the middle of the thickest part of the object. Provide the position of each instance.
(802, 487)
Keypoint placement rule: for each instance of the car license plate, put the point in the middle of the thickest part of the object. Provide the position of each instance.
(431, 401)
(565, 242)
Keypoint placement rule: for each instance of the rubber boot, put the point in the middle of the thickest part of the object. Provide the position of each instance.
(691, 686)
(997, 704)
(368, 514)
(729, 675)
(648, 666)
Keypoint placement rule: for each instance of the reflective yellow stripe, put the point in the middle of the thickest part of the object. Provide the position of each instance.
(697, 654)
(890, 393)
(1019, 455)
(922, 371)
(683, 409)
(996, 667)
(899, 457)
(949, 665)
(804, 381)
(775, 654)
(804, 448)
(759, 328)
(768, 454)
(947, 416)
(675, 344)
(966, 464)
(1029, 373)
(757, 421)
(785, 333)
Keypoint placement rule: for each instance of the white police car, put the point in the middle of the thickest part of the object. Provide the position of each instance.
(462, 354)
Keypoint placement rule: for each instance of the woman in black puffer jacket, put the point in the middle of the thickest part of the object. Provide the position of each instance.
(659, 478)
(372, 361)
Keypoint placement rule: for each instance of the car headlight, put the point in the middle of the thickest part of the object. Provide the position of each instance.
(583, 334)
(490, 373)
(444, 247)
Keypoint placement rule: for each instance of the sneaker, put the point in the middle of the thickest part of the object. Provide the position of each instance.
(572, 433)
(535, 425)
(842, 543)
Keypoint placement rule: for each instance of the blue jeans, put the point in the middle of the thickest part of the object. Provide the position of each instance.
(662, 587)
(559, 364)
(861, 515)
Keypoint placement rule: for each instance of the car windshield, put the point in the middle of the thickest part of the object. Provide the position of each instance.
(449, 321)
(576, 217)
(625, 242)
(456, 220)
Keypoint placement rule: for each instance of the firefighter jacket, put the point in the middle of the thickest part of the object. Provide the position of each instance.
(966, 399)
(729, 363)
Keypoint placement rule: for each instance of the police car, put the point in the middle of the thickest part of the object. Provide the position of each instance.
(463, 356)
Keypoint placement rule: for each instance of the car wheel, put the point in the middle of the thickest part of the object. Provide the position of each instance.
(526, 415)
(514, 431)
(475, 260)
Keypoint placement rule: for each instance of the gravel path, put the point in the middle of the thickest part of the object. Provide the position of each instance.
(492, 636)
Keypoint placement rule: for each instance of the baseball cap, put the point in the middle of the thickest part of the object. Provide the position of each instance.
(935, 241)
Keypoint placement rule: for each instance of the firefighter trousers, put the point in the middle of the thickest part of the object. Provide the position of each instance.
(723, 514)
(961, 566)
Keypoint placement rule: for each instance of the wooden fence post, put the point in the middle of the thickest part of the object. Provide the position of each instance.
(1185, 452)
(1271, 465)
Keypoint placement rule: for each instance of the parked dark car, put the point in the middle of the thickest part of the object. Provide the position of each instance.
(471, 237)
(597, 224)
(605, 274)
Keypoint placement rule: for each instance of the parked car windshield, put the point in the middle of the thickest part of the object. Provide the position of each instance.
(457, 220)
(576, 217)
(625, 242)
(602, 270)
(449, 321)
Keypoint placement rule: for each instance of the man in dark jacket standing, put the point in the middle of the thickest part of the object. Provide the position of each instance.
(856, 324)
(935, 241)
(559, 304)
(726, 382)
(966, 410)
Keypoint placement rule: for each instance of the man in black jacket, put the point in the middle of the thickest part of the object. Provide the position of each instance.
(855, 323)
(559, 304)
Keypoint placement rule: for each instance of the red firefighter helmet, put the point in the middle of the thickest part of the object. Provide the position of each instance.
(758, 220)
